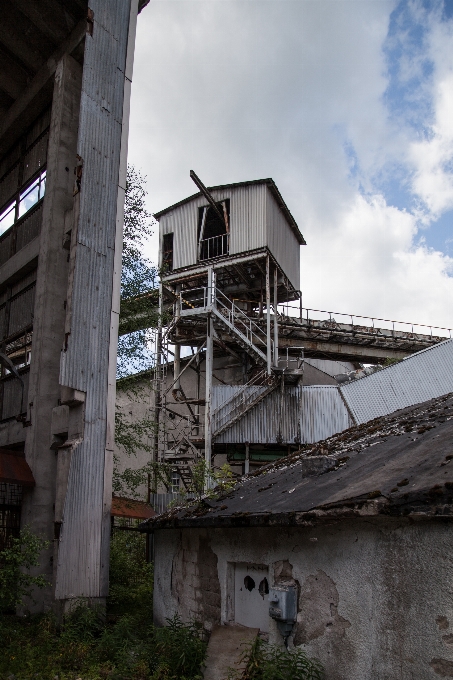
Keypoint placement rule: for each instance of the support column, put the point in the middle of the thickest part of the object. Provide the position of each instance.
(209, 367)
(158, 379)
(268, 317)
(247, 459)
(177, 358)
(275, 317)
(49, 317)
(89, 352)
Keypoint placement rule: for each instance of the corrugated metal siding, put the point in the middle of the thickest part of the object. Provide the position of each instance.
(84, 366)
(422, 376)
(247, 218)
(323, 413)
(247, 223)
(306, 413)
(282, 242)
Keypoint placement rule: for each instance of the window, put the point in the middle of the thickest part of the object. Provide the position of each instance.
(167, 252)
(175, 481)
(23, 202)
(213, 232)
(7, 217)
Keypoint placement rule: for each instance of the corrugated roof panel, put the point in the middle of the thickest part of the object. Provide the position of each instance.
(425, 375)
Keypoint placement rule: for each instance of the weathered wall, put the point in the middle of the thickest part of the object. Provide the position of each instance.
(375, 596)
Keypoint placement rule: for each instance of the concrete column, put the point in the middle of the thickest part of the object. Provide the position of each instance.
(49, 312)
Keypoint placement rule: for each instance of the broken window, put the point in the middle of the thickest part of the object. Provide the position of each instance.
(23, 202)
(213, 230)
(167, 252)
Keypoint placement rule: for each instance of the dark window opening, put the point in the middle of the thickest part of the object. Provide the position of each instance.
(263, 588)
(213, 232)
(167, 252)
(249, 583)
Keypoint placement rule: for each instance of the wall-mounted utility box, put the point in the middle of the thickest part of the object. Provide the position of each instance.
(283, 603)
(283, 607)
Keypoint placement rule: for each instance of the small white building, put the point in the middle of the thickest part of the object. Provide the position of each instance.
(359, 528)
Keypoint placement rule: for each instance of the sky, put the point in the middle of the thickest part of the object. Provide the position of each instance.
(346, 104)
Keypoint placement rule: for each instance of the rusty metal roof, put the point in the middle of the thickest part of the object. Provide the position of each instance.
(14, 469)
(396, 465)
(126, 507)
(272, 188)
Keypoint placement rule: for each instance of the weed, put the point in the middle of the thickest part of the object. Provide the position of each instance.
(270, 662)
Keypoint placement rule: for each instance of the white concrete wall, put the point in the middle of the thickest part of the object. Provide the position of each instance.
(375, 595)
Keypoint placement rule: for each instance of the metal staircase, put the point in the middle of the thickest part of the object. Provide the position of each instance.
(248, 334)
(242, 401)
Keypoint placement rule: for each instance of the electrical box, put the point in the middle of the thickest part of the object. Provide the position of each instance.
(283, 607)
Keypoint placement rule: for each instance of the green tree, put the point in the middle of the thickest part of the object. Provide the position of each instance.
(138, 320)
(139, 281)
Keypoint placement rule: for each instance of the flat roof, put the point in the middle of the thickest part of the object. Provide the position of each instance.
(272, 188)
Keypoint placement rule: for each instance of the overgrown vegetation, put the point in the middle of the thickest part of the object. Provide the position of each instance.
(15, 562)
(124, 645)
(270, 662)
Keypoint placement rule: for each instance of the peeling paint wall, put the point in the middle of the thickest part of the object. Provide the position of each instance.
(375, 596)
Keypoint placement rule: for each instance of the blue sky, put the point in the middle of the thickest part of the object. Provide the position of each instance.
(347, 104)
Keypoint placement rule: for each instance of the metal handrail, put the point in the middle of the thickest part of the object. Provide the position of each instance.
(236, 314)
(215, 246)
(302, 310)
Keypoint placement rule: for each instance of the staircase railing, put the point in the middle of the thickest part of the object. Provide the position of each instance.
(239, 319)
(241, 397)
(205, 299)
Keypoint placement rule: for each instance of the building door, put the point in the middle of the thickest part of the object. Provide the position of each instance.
(251, 589)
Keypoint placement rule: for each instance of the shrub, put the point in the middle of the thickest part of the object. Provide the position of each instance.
(131, 576)
(270, 662)
(15, 582)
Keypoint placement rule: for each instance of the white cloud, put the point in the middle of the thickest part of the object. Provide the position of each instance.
(295, 90)
(370, 262)
(433, 157)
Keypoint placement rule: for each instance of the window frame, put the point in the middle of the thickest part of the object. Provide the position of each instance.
(39, 180)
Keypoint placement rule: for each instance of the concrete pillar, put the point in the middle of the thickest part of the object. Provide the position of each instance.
(49, 314)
